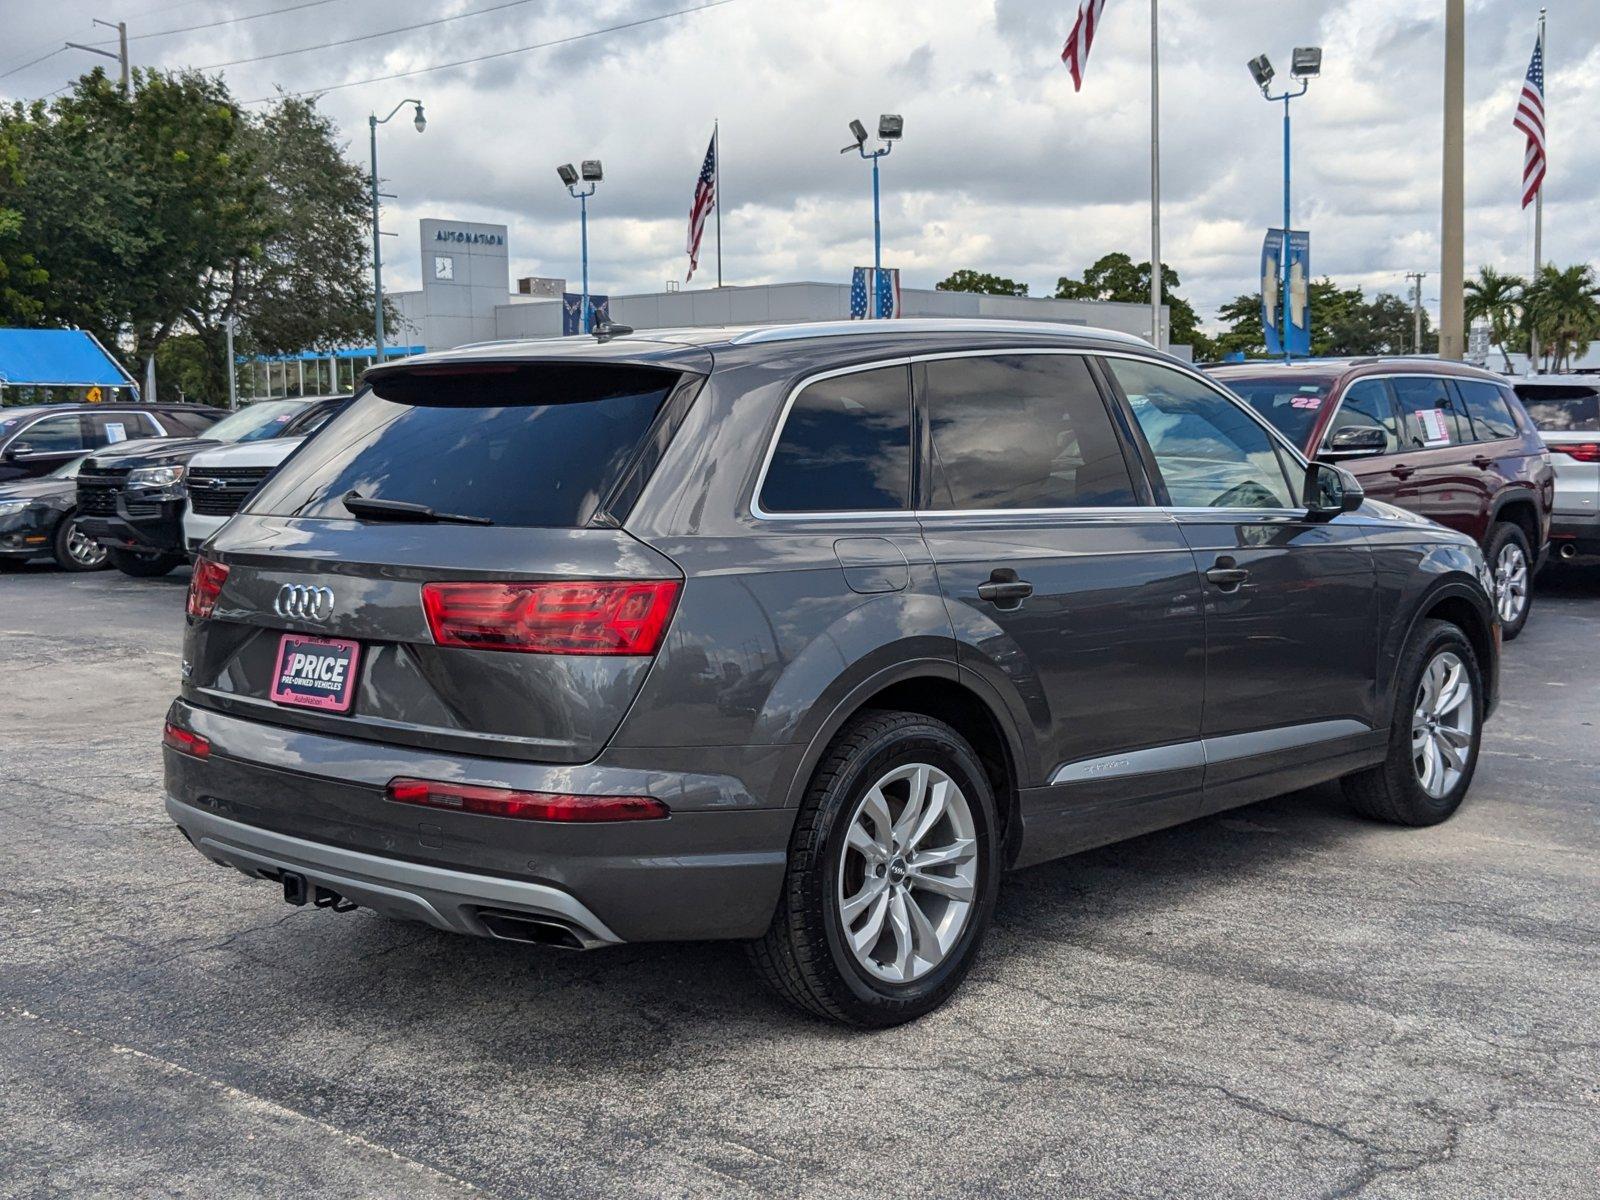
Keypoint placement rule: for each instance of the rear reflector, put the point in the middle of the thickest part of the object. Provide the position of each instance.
(185, 742)
(528, 806)
(205, 585)
(598, 617)
(1582, 451)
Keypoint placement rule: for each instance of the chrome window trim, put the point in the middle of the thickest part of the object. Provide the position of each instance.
(1202, 752)
(761, 514)
(50, 416)
(1398, 405)
(915, 325)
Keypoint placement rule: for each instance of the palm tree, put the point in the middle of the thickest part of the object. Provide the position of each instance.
(1563, 307)
(1497, 299)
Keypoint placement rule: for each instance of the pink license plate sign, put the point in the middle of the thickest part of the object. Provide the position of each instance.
(316, 673)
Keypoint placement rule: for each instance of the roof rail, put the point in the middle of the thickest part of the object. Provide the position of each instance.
(910, 325)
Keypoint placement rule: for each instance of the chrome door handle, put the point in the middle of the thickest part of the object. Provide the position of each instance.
(1228, 575)
(1004, 589)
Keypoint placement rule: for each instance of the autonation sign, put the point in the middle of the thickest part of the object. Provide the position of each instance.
(461, 237)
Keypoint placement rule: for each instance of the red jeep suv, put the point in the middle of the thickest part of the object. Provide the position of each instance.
(1446, 441)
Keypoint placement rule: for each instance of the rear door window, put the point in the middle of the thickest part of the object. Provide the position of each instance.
(1487, 409)
(530, 444)
(1021, 431)
(845, 447)
(1211, 454)
(109, 428)
(1366, 403)
(1562, 408)
(1429, 414)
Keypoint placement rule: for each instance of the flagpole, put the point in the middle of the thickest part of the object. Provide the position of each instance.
(1155, 180)
(1538, 216)
(716, 183)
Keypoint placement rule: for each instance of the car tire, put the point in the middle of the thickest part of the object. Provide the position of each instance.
(1404, 789)
(850, 873)
(143, 566)
(72, 549)
(1510, 558)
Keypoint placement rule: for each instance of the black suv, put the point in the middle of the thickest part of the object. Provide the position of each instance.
(800, 635)
(130, 498)
(35, 440)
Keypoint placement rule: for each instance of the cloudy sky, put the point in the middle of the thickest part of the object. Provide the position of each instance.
(1003, 168)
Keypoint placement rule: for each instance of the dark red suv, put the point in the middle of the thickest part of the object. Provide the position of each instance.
(1441, 439)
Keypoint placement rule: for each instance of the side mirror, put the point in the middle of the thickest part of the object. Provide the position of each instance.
(1330, 491)
(18, 452)
(1356, 441)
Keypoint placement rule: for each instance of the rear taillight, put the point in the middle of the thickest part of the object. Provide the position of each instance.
(1585, 452)
(528, 806)
(185, 742)
(205, 585)
(603, 617)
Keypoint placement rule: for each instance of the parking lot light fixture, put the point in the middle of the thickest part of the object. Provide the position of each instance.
(1305, 65)
(591, 174)
(891, 127)
(420, 121)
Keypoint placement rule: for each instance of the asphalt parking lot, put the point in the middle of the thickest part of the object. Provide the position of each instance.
(1281, 1001)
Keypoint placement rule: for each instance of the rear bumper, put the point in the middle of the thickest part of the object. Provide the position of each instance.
(271, 799)
(1573, 533)
(445, 899)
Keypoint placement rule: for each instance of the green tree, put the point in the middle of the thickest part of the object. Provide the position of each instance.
(22, 279)
(1563, 308)
(966, 280)
(1245, 333)
(166, 212)
(1497, 299)
(1343, 323)
(1117, 277)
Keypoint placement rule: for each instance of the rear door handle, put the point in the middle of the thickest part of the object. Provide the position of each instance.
(1227, 574)
(1482, 461)
(1401, 471)
(1004, 589)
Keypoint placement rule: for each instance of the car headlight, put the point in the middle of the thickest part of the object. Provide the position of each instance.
(156, 476)
(10, 508)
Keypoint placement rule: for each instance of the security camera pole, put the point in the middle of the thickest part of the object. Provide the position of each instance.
(890, 128)
(373, 121)
(1305, 66)
(591, 174)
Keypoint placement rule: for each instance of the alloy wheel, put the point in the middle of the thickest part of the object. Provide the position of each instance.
(82, 549)
(1442, 725)
(908, 873)
(1511, 583)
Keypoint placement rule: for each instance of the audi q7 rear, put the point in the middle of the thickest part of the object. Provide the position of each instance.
(799, 636)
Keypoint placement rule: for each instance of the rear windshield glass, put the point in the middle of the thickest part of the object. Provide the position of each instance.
(1289, 405)
(1559, 407)
(536, 444)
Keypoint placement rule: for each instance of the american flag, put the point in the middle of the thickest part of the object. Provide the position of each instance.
(705, 199)
(1076, 52)
(1530, 119)
(862, 284)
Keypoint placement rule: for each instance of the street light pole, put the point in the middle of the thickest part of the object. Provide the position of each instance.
(583, 249)
(373, 121)
(1305, 66)
(890, 129)
(591, 173)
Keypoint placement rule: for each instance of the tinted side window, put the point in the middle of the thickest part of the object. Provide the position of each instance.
(1430, 417)
(845, 446)
(1210, 452)
(55, 434)
(192, 423)
(107, 429)
(1487, 409)
(1022, 431)
(1559, 407)
(1366, 402)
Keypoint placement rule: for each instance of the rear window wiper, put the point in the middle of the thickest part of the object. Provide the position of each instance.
(402, 510)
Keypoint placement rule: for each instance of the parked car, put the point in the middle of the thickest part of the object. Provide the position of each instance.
(1441, 439)
(38, 519)
(131, 498)
(800, 635)
(219, 480)
(1566, 410)
(35, 440)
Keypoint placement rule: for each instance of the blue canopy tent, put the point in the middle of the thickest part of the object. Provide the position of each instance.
(34, 358)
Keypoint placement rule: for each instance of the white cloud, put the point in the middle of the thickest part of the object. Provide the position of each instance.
(1003, 167)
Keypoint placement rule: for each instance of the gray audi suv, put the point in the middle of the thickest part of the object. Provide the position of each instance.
(799, 635)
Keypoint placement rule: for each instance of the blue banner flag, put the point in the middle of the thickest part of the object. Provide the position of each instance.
(572, 309)
(1297, 321)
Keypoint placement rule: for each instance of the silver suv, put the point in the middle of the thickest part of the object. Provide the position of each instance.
(799, 635)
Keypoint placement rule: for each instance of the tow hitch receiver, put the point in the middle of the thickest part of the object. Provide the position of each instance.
(294, 887)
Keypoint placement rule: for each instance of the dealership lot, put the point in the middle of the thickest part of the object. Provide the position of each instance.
(1280, 1000)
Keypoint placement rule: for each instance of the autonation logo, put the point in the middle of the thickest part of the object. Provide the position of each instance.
(461, 237)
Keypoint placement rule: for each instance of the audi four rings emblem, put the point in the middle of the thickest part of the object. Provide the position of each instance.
(304, 602)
